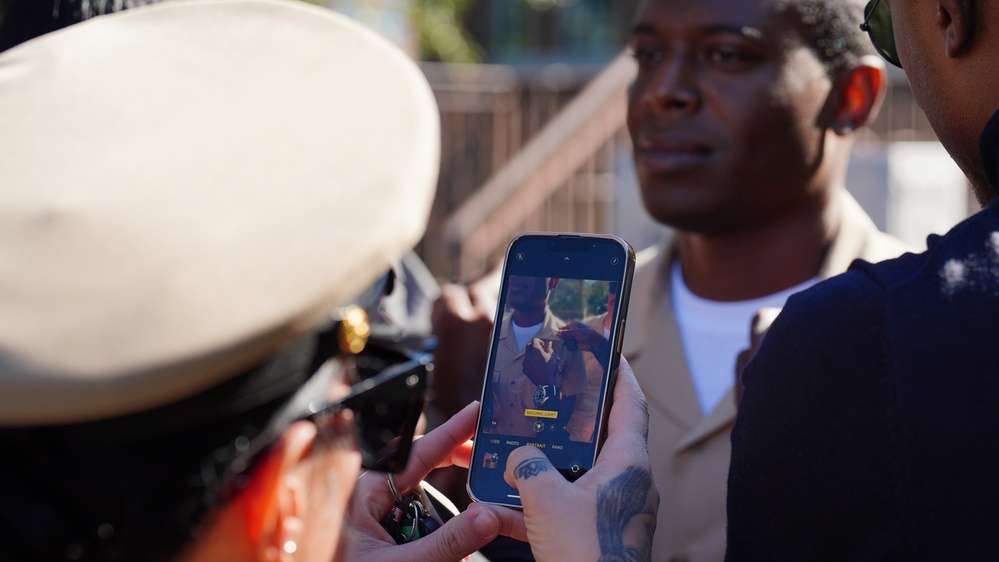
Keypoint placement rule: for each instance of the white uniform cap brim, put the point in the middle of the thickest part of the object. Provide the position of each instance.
(188, 186)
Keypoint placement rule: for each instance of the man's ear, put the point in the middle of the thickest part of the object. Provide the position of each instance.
(273, 504)
(858, 93)
(957, 19)
(856, 99)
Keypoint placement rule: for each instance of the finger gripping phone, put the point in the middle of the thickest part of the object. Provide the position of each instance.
(553, 356)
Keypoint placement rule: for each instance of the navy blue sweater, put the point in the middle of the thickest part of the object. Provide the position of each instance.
(869, 426)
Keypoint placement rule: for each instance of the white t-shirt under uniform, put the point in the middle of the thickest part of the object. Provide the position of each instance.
(714, 332)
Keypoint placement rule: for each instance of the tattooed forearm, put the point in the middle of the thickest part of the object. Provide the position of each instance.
(530, 468)
(619, 502)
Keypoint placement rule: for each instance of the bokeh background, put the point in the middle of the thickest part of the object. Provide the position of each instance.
(532, 101)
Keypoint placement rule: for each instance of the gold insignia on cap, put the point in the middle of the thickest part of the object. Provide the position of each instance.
(353, 332)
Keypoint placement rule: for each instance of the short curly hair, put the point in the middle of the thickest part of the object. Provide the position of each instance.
(831, 28)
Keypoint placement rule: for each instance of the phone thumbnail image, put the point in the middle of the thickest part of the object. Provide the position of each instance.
(491, 460)
(551, 358)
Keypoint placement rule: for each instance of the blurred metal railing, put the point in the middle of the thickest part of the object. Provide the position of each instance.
(561, 180)
(488, 113)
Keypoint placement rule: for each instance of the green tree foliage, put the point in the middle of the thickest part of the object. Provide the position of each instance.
(596, 298)
(575, 299)
(443, 37)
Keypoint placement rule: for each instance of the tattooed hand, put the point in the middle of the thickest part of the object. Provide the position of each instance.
(609, 514)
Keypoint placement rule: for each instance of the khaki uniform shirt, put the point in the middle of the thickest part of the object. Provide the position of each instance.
(690, 451)
(513, 392)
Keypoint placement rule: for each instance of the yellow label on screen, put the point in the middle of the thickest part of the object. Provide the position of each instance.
(541, 414)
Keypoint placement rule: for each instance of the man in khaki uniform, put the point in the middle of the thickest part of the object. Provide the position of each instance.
(534, 370)
(741, 118)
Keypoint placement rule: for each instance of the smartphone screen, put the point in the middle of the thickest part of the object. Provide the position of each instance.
(553, 356)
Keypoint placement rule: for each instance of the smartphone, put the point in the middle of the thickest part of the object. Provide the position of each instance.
(553, 356)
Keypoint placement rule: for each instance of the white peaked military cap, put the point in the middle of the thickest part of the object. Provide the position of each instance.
(189, 186)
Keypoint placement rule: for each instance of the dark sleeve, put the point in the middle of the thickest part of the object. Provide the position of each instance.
(815, 472)
(24, 20)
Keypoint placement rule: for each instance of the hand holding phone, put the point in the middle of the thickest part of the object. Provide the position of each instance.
(553, 356)
(538, 365)
(617, 498)
(366, 540)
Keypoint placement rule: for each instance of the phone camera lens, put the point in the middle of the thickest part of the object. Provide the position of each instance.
(520, 256)
(614, 261)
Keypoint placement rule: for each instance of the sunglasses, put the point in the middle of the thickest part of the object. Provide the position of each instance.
(877, 24)
(386, 408)
(386, 404)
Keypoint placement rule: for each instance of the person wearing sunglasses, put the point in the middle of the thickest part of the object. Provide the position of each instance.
(868, 422)
(200, 201)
